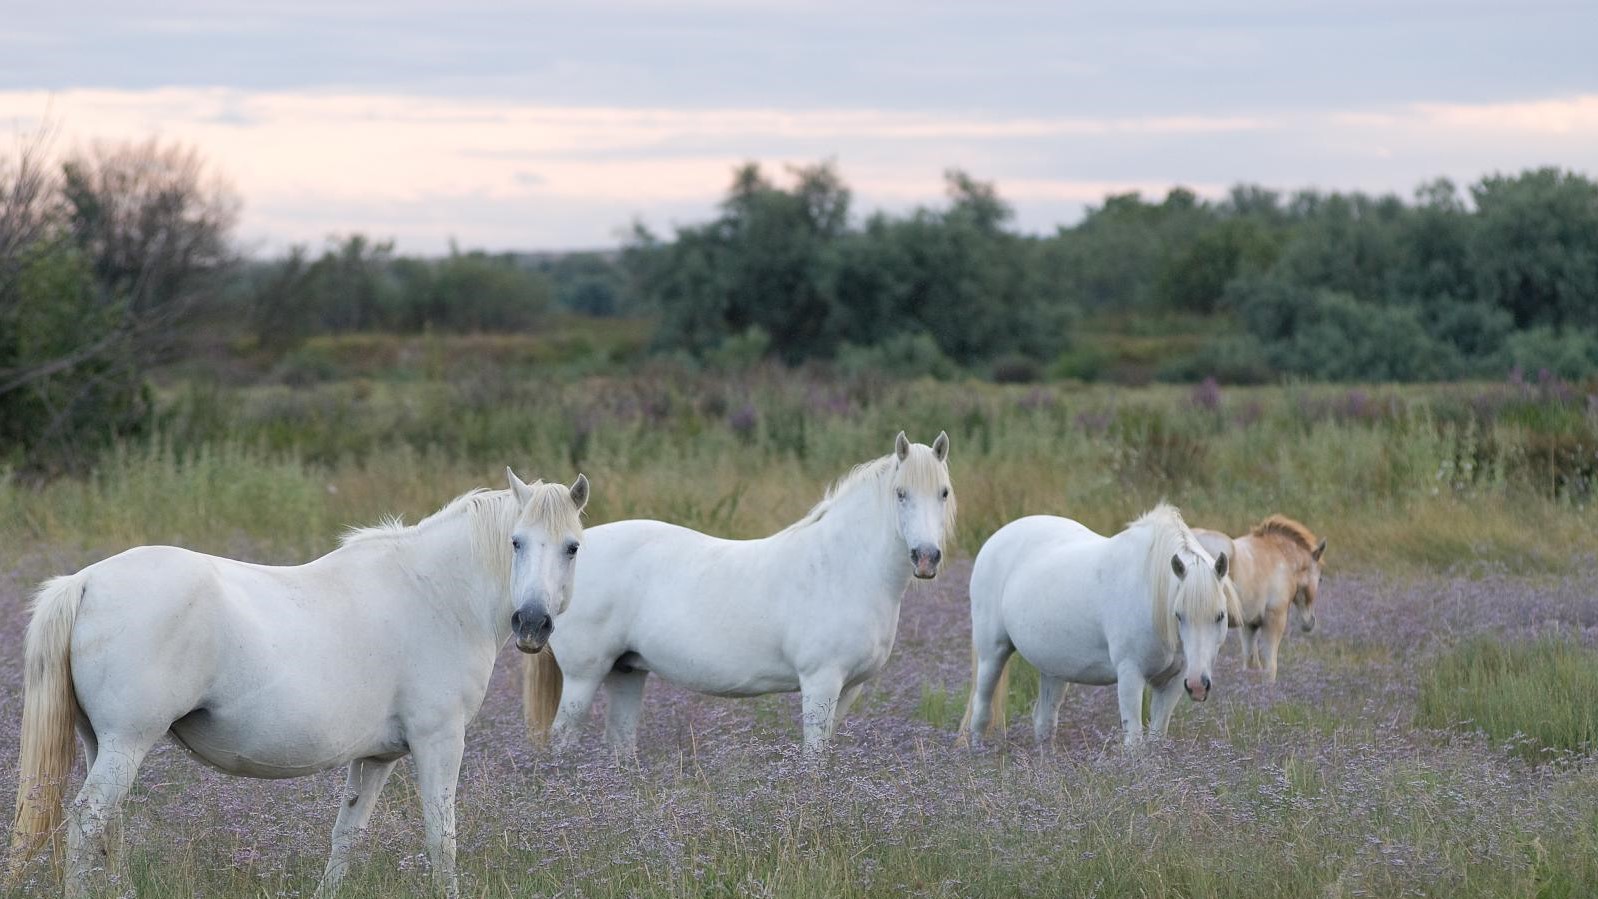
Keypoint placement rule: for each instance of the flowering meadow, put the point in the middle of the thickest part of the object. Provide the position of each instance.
(1361, 772)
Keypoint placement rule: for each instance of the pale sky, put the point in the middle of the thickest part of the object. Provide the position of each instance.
(553, 126)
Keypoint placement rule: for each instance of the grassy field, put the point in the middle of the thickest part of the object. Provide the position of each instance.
(1430, 738)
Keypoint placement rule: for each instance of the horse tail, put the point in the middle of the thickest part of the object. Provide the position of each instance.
(49, 712)
(541, 684)
(1001, 701)
(999, 706)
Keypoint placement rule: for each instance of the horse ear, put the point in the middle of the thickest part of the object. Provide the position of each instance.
(901, 446)
(580, 491)
(1178, 567)
(1319, 548)
(940, 447)
(518, 486)
(1220, 565)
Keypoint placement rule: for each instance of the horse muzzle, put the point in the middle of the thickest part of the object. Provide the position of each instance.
(1198, 690)
(531, 626)
(924, 560)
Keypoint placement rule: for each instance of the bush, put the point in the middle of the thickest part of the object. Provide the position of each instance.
(1016, 369)
(1570, 354)
(1538, 696)
(1232, 359)
(902, 355)
(1085, 362)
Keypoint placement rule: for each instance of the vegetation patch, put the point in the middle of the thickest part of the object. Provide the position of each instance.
(1535, 696)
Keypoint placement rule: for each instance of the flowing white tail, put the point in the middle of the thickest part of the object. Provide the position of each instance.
(49, 710)
(541, 686)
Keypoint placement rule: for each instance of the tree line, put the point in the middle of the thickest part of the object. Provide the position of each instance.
(110, 257)
(1325, 285)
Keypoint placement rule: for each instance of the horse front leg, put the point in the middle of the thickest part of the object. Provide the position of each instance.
(365, 782)
(1129, 690)
(1167, 697)
(818, 695)
(438, 768)
(1275, 627)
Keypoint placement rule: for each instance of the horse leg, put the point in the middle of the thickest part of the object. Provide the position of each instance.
(990, 665)
(1046, 712)
(366, 779)
(846, 701)
(624, 692)
(438, 767)
(1166, 698)
(1129, 690)
(93, 818)
(576, 698)
(1251, 649)
(1275, 627)
(818, 695)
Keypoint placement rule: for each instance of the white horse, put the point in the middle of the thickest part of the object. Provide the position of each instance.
(812, 608)
(1134, 609)
(379, 649)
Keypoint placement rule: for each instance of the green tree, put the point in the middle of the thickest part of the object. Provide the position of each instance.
(1535, 247)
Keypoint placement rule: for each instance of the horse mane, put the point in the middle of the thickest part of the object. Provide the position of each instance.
(1288, 529)
(921, 469)
(1170, 536)
(491, 514)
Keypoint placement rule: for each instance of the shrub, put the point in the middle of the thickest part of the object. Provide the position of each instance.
(902, 355)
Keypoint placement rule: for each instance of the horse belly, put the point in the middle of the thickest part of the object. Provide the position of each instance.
(1062, 640)
(264, 746)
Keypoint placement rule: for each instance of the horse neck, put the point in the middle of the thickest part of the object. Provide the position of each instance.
(858, 538)
(446, 563)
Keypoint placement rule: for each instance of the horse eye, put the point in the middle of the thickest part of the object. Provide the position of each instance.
(571, 549)
(1220, 618)
(1178, 617)
(945, 493)
(901, 493)
(516, 543)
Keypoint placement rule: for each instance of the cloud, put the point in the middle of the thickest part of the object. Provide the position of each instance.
(503, 173)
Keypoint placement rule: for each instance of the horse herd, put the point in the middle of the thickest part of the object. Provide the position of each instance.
(383, 648)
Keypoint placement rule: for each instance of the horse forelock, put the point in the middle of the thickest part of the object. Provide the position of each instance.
(551, 509)
(1195, 595)
(1292, 531)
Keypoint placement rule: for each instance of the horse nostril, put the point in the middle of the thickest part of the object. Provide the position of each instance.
(516, 621)
(935, 556)
(1206, 681)
(546, 625)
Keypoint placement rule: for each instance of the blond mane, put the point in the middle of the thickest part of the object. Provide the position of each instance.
(491, 516)
(921, 471)
(1288, 529)
(1196, 595)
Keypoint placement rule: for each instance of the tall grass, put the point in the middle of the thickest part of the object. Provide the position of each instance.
(1417, 477)
(1536, 696)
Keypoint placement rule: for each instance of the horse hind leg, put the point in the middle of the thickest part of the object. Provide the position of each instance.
(624, 697)
(990, 668)
(1046, 713)
(93, 822)
(576, 699)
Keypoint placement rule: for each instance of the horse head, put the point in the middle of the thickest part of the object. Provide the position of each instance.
(924, 500)
(544, 543)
